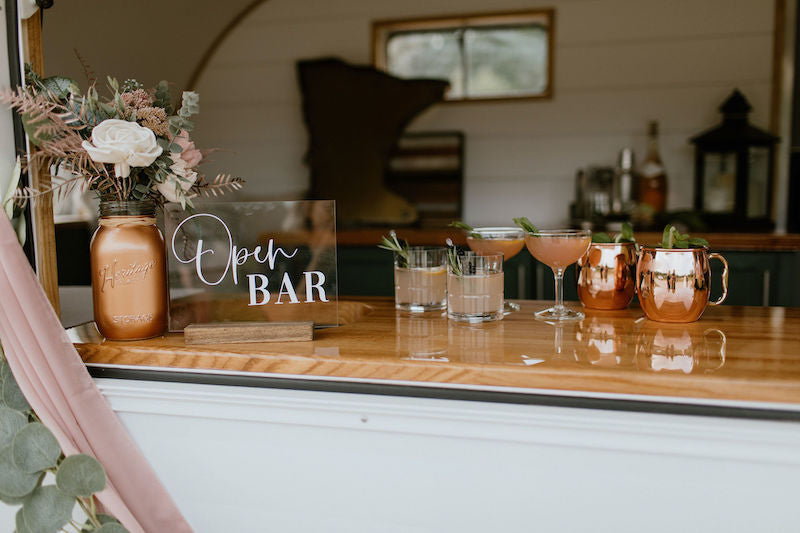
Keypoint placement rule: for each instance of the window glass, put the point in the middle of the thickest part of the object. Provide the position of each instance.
(506, 61)
(427, 54)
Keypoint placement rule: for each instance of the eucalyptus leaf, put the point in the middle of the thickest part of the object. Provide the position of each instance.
(80, 475)
(104, 519)
(12, 500)
(47, 510)
(11, 421)
(15, 483)
(162, 98)
(35, 448)
(19, 522)
(10, 394)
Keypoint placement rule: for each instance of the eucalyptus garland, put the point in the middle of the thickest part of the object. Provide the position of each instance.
(29, 451)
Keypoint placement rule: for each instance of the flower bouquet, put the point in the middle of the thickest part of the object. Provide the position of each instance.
(131, 145)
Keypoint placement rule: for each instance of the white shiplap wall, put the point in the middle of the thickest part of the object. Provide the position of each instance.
(619, 63)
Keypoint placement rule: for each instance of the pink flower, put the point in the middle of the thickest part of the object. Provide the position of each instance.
(190, 154)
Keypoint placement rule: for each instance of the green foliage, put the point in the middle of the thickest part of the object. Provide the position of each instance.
(526, 224)
(626, 235)
(35, 448)
(190, 105)
(466, 227)
(162, 98)
(11, 421)
(10, 395)
(601, 238)
(398, 246)
(14, 482)
(28, 450)
(80, 475)
(672, 238)
(46, 510)
(453, 254)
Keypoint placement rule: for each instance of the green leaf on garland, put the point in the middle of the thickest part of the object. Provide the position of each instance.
(35, 448)
(15, 483)
(80, 475)
(10, 394)
(47, 510)
(11, 421)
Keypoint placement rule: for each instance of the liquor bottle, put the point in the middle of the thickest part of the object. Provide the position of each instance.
(653, 177)
(623, 187)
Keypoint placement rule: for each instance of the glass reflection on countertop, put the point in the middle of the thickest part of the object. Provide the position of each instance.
(421, 336)
(680, 348)
(605, 342)
(476, 343)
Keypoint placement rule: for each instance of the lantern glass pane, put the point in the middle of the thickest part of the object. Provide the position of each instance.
(719, 182)
(758, 183)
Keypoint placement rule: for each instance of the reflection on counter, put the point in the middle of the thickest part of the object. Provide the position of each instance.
(476, 343)
(602, 341)
(422, 337)
(605, 343)
(683, 348)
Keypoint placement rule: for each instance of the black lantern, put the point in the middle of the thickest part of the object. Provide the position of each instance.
(734, 170)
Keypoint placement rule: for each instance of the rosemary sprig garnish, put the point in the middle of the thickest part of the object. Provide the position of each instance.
(466, 227)
(397, 246)
(526, 224)
(672, 238)
(452, 258)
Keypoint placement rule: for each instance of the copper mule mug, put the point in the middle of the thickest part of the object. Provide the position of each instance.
(674, 285)
(607, 275)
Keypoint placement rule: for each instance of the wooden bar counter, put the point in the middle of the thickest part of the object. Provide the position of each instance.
(402, 423)
(734, 356)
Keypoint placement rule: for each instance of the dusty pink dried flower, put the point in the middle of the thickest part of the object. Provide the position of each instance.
(137, 99)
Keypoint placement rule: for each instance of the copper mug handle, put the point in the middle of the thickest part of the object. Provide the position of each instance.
(724, 342)
(724, 278)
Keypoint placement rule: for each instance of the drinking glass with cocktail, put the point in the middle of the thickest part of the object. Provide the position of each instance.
(557, 249)
(490, 240)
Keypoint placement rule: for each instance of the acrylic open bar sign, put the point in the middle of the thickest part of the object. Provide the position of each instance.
(252, 261)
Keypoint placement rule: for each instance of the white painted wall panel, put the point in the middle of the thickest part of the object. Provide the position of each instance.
(243, 459)
(619, 63)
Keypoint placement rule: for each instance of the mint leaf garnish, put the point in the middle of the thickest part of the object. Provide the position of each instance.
(526, 224)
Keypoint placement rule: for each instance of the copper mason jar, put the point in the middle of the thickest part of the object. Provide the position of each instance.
(674, 284)
(129, 276)
(607, 275)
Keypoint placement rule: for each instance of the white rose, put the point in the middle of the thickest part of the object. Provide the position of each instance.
(180, 181)
(125, 144)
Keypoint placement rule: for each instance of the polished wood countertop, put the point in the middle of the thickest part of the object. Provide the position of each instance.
(732, 354)
(766, 242)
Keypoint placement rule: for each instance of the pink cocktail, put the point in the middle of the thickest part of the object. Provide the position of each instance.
(558, 249)
(498, 240)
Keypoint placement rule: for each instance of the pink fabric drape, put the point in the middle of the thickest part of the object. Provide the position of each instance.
(55, 382)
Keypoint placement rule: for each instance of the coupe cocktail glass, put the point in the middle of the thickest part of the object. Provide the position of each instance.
(498, 240)
(558, 249)
(420, 280)
(475, 288)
